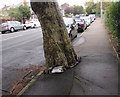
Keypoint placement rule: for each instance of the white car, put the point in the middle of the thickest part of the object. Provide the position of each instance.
(68, 22)
(87, 20)
(33, 23)
(27, 24)
(72, 28)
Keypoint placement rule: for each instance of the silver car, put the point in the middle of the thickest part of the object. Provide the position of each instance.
(71, 27)
(11, 26)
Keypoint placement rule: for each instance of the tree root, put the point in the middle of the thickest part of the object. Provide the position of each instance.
(49, 71)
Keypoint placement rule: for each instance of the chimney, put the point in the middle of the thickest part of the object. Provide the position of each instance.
(25, 3)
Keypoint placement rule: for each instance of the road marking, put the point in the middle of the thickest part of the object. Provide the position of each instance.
(17, 36)
(11, 38)
(20, 44)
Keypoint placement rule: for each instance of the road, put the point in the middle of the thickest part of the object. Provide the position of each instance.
(20, 50)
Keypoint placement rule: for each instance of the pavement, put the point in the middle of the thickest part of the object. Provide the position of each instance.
(97, 74)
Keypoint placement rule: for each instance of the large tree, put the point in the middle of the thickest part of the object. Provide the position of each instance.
(57, 45)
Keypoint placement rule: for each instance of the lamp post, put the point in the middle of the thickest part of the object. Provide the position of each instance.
(101, 9)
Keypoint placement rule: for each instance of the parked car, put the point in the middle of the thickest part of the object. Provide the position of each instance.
(11, 26)
(71, 27)
(81, 25)
(27, 24)
(93, 17)
(87, 20)
(34, 23)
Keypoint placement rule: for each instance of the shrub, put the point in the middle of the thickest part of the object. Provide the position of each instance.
(112, 18)
(112, 21)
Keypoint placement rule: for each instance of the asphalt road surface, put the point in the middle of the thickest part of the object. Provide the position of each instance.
(20, 50)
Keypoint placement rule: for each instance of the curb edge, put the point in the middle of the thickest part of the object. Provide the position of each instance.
(29, 84)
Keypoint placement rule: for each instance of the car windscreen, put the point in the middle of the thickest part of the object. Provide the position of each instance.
(68, 21)
(79, 20)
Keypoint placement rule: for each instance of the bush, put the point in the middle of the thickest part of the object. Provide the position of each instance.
(112, 18)
(112, 21)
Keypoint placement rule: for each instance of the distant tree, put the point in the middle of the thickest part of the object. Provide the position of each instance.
(25, 12)
(78, 10)
(20, 13)
(98, 8)
(14, 14)
(90, 7)
(72, 9)
(67, 8)
(64, 6)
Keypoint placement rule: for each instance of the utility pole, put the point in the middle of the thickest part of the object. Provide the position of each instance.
(101, 9)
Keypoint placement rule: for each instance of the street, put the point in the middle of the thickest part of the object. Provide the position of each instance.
(96, 74)
(19, 50)
(63, 47)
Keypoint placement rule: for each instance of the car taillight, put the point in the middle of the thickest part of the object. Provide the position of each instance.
(81, 24)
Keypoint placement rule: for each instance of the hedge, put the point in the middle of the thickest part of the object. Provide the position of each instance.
(112, 21)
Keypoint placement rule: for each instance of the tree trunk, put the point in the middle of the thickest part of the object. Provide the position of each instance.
(57, 45)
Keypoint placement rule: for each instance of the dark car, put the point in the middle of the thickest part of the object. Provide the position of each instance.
(81, 25)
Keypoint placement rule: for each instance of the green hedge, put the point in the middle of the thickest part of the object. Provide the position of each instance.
(112, 19)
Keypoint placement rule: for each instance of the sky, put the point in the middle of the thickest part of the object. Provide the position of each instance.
(70, 2)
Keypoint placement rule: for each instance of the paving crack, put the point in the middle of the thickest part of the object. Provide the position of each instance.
(80, 77)
(80, 85)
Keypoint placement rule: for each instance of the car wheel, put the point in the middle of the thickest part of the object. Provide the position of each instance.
(76, 36)
(3, 32)
(34, 25)
(79, 30)
(71, 36)
(24, 28)
(82, 30)
(12, 29)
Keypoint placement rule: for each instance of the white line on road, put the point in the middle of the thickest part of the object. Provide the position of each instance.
(14, 37)
(20, 44)
(11, 38)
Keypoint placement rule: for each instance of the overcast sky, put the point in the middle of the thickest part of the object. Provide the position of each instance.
(70, 2)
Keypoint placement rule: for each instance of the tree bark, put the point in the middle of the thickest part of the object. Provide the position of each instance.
(57, 45)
